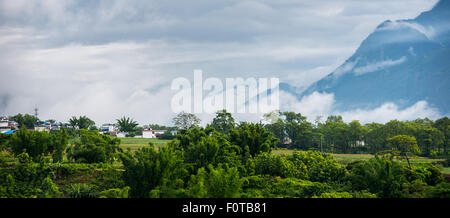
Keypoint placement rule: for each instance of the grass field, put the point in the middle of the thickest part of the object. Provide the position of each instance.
(136, 143)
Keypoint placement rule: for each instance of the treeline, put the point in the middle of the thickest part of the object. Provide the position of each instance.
(336, 136)
(221, 160)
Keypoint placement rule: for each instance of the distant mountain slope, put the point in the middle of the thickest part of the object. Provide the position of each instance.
(402, 61)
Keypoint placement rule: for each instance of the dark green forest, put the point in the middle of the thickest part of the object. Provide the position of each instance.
(226, 159)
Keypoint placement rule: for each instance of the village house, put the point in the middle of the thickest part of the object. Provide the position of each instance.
(148, 133)
(43, 126)
(4, 125)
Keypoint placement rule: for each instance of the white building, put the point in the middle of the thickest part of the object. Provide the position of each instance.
(41, 129)
(122, 134)
(107, 127)
(4, 124)
(148, 133)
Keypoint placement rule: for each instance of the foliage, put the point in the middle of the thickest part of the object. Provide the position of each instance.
(403, 146)
(127, 124)
(223, 122)
(317, 167)
(441, 190)
(147, 169)
(334, 195)
(252, 139)
(204, 146)
(82, 122)
(93, 147)
(186, 120)
(219, 182)
(379, 175)
(27, 179)
(81, 191)
(25, 121)
(38, 144)
(266, 164)
(115, 193)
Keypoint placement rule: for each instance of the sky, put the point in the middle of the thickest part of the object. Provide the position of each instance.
(108, 59)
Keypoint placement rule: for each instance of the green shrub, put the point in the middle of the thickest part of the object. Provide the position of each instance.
(316, 166)
(441, 190)
(267, 164)
(381, 176)
(27, 179)
(115, 193)
(334, 195)
(219, 182)
(81, 191)
(38, 144)
(93, 147)
(148, 168)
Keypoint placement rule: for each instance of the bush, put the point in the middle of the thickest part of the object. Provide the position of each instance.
(253, 139)
(267, 164)
(27, 179)
(219, 182)
(381, 176)
(38, 144)
(93, 147)
(441, 190)
(297, 188)
(317, 167)
(334, 195)
(115, 193)
(81, 191)
(148, 169)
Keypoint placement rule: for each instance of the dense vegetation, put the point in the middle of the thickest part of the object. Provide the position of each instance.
(230, 160)
(336, 136)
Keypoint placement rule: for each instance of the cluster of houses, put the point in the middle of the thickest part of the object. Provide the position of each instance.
(9, 127)
(111, 129)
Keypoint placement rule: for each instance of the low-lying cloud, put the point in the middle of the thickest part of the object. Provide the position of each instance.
(323, 105)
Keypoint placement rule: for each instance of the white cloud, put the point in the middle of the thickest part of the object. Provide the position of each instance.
(323, 104)
(390, 111)
(371, 67)
(316, 104)
(392, 25)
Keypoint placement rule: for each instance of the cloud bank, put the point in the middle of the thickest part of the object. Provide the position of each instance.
(323, 105)
(106, 59)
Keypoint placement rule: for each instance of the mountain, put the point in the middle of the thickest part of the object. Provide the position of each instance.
(402, 61)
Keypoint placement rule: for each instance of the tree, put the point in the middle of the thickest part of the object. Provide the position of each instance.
(205, 146)
(148, 169)
(223, 122)
(37, 144)
(403, 146)
(381, 176)
(83, 122)
(127, 124)
(27, 120)
(219, 182)
(186, 120)
(298, 129)
(275, 125)
(93, 147)
(443, 125)
(252, 139)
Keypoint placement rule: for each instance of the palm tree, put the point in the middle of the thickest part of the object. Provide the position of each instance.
(126, 124)
(83, 122)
